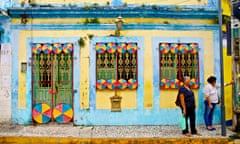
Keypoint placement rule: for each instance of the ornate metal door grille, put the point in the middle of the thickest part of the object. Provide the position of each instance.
(52, 81)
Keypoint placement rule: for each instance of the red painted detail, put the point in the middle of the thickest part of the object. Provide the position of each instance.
(66, 119)
(48, 113)
(59, 107)
(35, 113)
(51, 91)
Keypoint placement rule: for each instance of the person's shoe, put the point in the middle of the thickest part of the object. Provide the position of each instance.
(188, 135)
(198, 134)
(211, 129)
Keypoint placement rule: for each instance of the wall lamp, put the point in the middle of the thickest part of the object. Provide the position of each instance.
(119, 23)
(24, 19)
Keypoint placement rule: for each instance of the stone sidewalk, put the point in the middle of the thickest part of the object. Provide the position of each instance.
(69, 134)
(68, 131)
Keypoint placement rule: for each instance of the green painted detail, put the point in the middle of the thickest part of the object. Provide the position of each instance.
(52, 78)
(116, 66)
(63, 78)
(106, 66)
(177, 65)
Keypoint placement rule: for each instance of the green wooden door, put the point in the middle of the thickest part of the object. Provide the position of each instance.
(52, 79)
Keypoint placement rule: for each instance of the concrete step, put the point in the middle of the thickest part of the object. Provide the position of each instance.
(71, 140)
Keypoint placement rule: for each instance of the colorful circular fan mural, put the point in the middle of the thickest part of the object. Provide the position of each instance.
(67, 48)
(100, 47)
(186, 48)
(194, 83)
(164, 47)
(47, 48)
(122, 84)
(111, 83)
(194, 48)
(132, 84)
(132, 47)
(122, 47)
(44, 48)
(165, 83)
(181, 48)
(174, 47)
(41, 113)
(63, 113)
(111, 47)
(175, 83)
(57, 48)
(36, 48)
(101, 84)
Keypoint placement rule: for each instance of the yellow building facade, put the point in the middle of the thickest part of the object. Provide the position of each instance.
(76, 60)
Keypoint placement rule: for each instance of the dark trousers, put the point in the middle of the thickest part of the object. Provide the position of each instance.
(208, 114)
(190, 114)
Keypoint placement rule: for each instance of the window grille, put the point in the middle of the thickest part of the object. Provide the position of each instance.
(116, 65)
(176, 61)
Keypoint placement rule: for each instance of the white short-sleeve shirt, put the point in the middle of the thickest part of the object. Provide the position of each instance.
(211, 92)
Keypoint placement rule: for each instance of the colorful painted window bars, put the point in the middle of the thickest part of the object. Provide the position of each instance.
(55, 48)
(176, 61)
(116, 65)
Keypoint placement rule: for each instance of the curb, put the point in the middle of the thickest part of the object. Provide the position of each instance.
(71, 140)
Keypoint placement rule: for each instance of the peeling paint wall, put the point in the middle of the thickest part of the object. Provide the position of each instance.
(124, 3)
(169, 2)
(5, 74)
(175, 2)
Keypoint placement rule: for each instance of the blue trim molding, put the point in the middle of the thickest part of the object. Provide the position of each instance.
(158, 12)
(113, 27)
